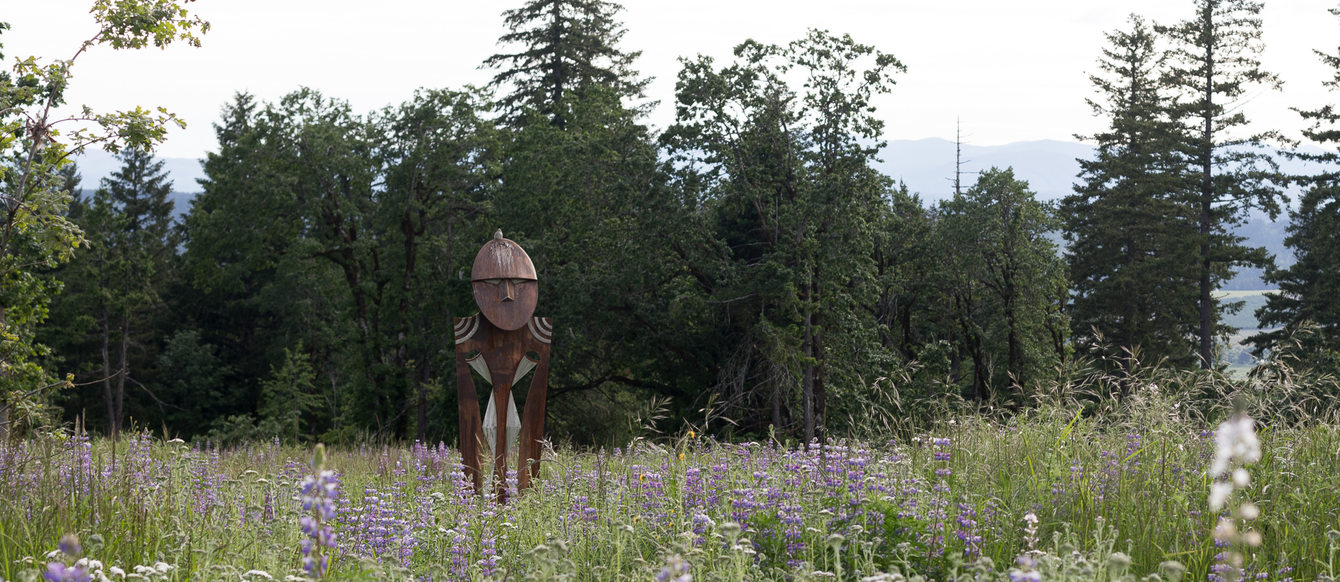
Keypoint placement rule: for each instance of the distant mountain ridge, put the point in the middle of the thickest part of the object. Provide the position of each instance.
(926, 166)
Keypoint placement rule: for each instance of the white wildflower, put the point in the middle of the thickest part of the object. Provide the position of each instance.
(1235, 440)
(1219, 493)
(259, 574)
(117, 571)
(1235, 445)
(1249, 511)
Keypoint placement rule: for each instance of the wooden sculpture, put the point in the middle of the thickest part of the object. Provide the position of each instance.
(503, 346)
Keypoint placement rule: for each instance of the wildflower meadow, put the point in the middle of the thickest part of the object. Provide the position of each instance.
(1045, 493)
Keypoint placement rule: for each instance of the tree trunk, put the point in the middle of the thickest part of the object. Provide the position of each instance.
(820, 392)
(1013, 349)
(807, 381)
(776, 406)
(4, 405)
(1206, 199)
(123, 371)
(107, 373)
(410, 231)
(421, 390)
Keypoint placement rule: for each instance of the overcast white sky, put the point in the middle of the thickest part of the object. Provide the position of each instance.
(1011, 71)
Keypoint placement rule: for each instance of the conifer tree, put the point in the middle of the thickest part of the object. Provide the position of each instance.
(1132, 259)
(132, 244)
(564, 47)
(581, 189)
(1308, 289)
(1213, 68)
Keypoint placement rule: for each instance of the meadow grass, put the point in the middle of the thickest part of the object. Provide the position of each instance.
(1111, 500)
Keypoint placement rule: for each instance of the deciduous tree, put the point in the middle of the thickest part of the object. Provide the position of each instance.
(35, 233)
(783, 139)
(1008, 281)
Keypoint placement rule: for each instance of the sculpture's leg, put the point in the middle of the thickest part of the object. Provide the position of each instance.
(532, 424)
(502, 394)
(467, 403)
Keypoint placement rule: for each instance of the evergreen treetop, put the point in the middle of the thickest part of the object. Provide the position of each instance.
(563, 47)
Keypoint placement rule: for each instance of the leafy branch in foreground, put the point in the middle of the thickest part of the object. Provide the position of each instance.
(35, 231)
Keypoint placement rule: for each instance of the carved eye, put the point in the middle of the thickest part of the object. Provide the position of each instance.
(493, 282)
(520, 281)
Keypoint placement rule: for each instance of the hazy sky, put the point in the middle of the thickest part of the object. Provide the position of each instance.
(1011, 71)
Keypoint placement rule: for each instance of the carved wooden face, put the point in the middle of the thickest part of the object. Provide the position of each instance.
(507, 302)
(504, 283)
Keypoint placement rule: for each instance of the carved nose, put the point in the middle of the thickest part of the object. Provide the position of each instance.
(507, 291)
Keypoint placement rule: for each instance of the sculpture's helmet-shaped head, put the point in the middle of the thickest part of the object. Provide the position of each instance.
(504, 283)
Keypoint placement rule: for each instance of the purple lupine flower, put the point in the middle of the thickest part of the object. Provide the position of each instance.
(675, 570)
(967, 531)
(319, 492)
(944, 456)
(62, 571)
(938, 512)
(207, 480)
(377, 529)
(59, 572)
(1027, 570)
(488, 562)
(69, 545)
(790, 516)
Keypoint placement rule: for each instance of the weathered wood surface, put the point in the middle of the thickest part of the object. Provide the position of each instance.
(502, 351)
(509, 339)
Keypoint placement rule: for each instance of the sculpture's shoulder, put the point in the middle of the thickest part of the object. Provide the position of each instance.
(465, 328)
(541, 328)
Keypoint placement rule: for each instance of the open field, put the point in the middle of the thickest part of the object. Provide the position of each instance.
(1110, 499)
